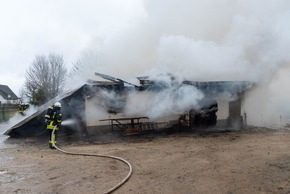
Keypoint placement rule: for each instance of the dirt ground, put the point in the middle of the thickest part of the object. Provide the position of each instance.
(228, 162)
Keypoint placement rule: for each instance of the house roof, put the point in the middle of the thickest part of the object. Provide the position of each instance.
(7, 93)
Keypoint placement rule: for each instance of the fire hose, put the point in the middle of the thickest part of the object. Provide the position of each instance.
(100, 155)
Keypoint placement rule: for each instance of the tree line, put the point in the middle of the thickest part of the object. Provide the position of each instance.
(44, 79)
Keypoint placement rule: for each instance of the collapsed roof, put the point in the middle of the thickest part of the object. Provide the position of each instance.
(33, 125)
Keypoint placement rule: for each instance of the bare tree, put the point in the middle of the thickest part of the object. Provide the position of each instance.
(45, 78)
(76, 68)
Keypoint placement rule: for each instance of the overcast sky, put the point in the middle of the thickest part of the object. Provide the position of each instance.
(38, 27)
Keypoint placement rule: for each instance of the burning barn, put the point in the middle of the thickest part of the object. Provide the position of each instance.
(154, 104)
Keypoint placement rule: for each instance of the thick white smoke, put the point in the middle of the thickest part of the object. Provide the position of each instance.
(202, 41)
(170, 101)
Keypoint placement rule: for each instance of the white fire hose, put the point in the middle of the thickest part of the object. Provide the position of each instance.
(100, 155)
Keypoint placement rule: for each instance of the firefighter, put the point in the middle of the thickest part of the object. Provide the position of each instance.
(22, 108)
(53, 118)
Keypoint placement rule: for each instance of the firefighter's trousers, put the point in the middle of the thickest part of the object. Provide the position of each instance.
(52, 139)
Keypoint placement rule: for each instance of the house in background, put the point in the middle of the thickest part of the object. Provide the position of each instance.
(7, 96)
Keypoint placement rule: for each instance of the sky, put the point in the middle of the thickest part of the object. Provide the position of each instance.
(205, 40)
(39, 27)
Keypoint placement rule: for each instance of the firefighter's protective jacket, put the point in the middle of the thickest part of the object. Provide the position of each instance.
(53, 117)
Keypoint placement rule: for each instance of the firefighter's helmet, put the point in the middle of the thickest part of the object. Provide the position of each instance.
(57, 104)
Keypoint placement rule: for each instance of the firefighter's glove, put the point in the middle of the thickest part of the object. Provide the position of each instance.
(47, 121)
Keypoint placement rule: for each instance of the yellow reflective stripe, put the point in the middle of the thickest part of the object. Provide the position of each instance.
(51, 126)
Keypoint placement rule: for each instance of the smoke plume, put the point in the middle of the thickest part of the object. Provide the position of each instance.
(201, 41)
